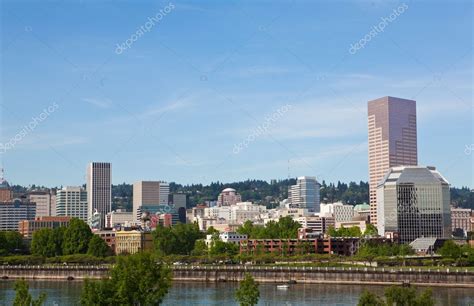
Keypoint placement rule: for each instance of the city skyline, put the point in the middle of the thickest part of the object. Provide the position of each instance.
(177, 89)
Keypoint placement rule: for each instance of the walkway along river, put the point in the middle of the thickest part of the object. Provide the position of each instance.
(456, 277)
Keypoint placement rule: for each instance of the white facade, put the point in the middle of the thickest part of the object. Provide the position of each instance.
(72, 202)
(238, 213)
(122, 218)
(227, 237)
(343, 213)
(164, 193)
(316, 223)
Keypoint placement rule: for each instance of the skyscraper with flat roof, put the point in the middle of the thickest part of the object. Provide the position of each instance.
(414, 202)
(99, 189)
(305, 194)
(392, 140)
(149, 193)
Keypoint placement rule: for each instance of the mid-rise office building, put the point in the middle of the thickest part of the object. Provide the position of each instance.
(413, 202)
(28, 227)
(99, 190)
(228, 197)
(392, 140)
(461, 219)
(305, 194)
(343, 212)
(318, 224)
(11, 213)
(44, 202)
(71, 201)
(179, 201)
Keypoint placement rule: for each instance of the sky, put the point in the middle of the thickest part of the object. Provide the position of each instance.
(205, 91)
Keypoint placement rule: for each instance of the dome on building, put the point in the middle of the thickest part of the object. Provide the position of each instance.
(228, 190)
(4, 184)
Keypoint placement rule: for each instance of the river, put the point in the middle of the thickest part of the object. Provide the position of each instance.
(63, 293)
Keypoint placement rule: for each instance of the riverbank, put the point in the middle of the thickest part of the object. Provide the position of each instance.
(461, 278)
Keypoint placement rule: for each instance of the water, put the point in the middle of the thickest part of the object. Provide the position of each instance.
(186, 293)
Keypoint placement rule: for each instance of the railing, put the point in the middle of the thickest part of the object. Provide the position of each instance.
(323, 269)
(253, 268)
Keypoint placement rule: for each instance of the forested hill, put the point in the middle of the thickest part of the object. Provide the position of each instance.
(267, 193)
(263, 192)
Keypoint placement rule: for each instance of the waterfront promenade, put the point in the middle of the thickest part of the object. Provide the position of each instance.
(446, 277)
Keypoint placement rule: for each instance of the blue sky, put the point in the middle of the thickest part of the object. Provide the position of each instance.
(208, 74)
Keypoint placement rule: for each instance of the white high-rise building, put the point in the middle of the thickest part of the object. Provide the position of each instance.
(72, 202)
(164, 193)
(413, 202)
(99, 189)
(305, 194)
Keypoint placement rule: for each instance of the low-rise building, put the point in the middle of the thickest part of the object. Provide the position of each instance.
(316, 223)
(108, 236)
(461, 219)
(362, 225)
(337, 246)
(28, 227)
(232, 237)
(131, 242)
(120, 218)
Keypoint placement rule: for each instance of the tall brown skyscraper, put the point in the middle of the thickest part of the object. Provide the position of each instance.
(392, 140)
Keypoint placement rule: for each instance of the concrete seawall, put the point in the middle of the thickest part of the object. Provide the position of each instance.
(315, 275)
(311, 275)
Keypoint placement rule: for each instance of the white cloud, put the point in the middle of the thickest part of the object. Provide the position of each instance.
(101, 103)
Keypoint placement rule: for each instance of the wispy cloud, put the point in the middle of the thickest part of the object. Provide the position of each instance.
(101, 103)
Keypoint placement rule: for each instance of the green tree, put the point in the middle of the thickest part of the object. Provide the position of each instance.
(398, 296)
(248, 293)
(76, 237)
(11, 242)
(134, 280)
(200, 248)
(23, 296)
(98, 247)
(179, 239)
(220, 247)
(212, 231)
(450, 250)
(368, 298)
(371, 230)
(41, 243)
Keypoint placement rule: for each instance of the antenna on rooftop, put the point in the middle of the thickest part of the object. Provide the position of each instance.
(289, 169)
